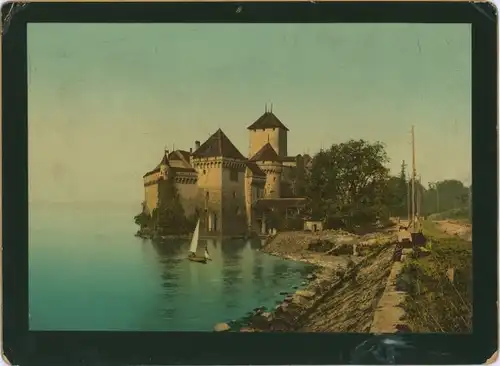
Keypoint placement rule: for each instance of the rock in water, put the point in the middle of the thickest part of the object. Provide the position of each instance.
(305, 293)
(247, 330)
(221, 327)
(268, 315)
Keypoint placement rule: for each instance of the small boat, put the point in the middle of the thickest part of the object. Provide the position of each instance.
(194, 246)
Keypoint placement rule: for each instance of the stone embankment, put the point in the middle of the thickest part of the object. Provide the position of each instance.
(344, 292)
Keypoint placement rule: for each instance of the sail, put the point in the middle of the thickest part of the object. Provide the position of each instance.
(194, 239)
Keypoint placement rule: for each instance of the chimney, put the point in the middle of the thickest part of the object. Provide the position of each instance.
(190, 150)
(196, 145)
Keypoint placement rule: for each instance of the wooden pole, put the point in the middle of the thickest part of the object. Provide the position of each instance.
(470, 202)
(413, 174)
(437, 197)
(408, 203)
(419, 201)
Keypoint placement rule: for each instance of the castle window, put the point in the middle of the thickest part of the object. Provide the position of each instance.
(274, 179)
(233, 175)
(204, 172)
(207, 195)
(234, 194)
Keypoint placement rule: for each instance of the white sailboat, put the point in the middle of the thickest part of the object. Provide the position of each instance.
(194, 246)
(206, 255)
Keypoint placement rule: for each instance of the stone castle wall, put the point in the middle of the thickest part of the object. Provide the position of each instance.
(277, 137)
(234, 215)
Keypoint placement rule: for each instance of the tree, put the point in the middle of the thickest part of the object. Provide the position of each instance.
(143, 220)
(169, 216)
(446, 195)
(347, 184)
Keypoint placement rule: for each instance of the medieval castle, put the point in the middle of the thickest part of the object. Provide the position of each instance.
(233, 194)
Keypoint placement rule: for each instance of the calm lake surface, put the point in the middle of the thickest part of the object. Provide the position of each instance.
(89, 272)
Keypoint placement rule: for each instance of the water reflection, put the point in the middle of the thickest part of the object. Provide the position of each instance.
(195, 296)
(169, 248)
(256, 244)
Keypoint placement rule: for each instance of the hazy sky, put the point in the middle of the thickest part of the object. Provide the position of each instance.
(105, 99)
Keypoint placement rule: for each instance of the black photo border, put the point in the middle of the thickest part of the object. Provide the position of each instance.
(22, 346)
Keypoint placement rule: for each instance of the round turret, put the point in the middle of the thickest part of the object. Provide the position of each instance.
(273, 178)
(164, 165)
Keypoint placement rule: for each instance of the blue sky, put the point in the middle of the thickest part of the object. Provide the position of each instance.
(105, 99)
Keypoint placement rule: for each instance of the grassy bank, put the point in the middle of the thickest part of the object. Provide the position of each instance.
(459, 214)
(439, 286)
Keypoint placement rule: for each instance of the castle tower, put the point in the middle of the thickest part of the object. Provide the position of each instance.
(270, 163)
(164, 165)
(268, 129)
(221, 179)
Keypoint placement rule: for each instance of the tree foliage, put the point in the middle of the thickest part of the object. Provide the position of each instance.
(347, 184)
(169, 217)
(446, 195)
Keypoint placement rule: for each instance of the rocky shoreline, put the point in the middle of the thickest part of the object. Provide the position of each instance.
(341, 295)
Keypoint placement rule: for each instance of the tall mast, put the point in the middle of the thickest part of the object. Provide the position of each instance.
(419, 199)
(413, 175)
(408, 195)
(407, 186)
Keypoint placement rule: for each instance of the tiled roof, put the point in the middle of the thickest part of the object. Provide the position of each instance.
(171, 169)
(155, 170)
(290, 158)
(254, 168)
(174, 155)
(178, 155)
(266, 153)
(218, 145)
(267, 120)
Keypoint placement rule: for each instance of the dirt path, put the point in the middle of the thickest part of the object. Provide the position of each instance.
(387, 317)
(455, 228)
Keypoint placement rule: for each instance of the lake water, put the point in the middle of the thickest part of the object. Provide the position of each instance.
(87, 271)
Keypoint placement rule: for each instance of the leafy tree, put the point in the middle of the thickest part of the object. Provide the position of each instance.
(169, 217)
(143, 220)
(446, 195)
(347, 184)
